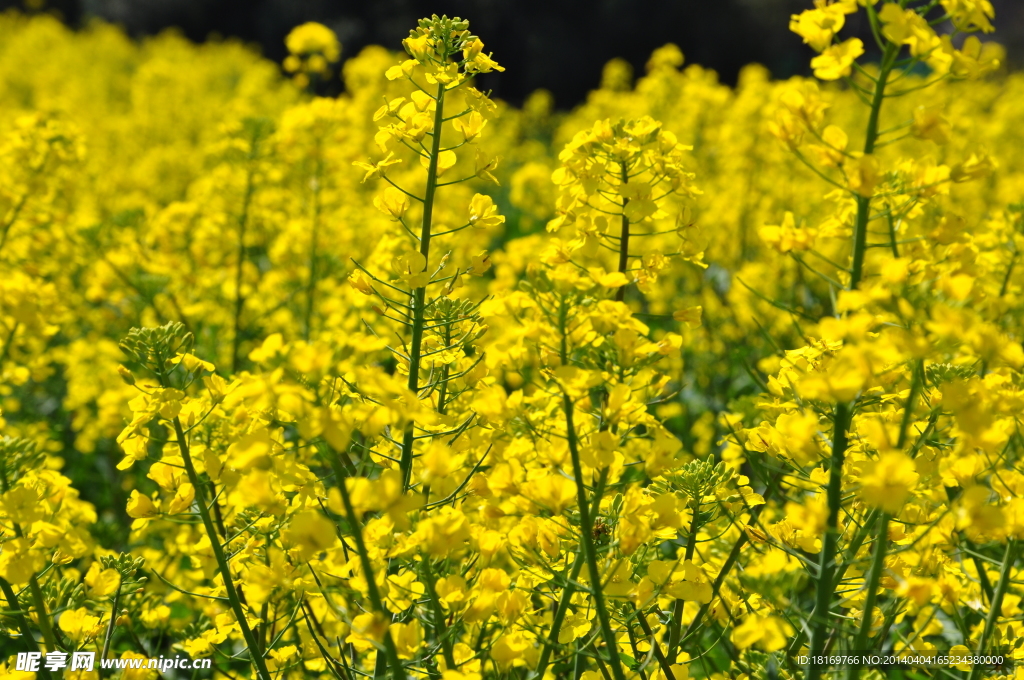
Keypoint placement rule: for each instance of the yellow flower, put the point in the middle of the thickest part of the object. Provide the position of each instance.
(574, 627)
(79, 624)
(484, 164)
(818, 26)
(837, 61)
(770, 633)
(154, 616)
(392, 202)
(360, 282)
(411, 269)
(899, 25)
(607, 279)
(834, 141)
(19, 561)
(470, 125)
(930, 124)
(552, 493)
(310, 38)
(102, 582)
(889, 481)
(408, 638)
(787, 237)
(472, 49)
(969, 16)
(958, 653)
(368, 629)
(420, 47)
(403, 590)
(508, 649)
(480, 263)
(483, 213)
(197, 648)
(799, 435)
(141, 673)
(482, 63)
(446, 160)
(21, 504)
(141, 507)
(309, 533)
(379, 168)
(690, 316)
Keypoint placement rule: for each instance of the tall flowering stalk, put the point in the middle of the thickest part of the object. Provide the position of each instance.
(445, 56)
(837, 386)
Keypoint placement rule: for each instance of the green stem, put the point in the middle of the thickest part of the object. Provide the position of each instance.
(419, 296)
(570, 588)
(17, 614)
(313, 239)
(666, 665)
(892, 236)
(851, 550)
(243, 222)
(442, 389)
(860, 645)
(824, 586)
(860, 233)
(734, 555)
(45, 626)
(979, 565)
(218, 551)
(439, 625)
(677, 608)
(916, 378)
(996, 606)
(586, 522)
(264, 614)
(376, 601)
(620, 294)
(8, 343)
(111, 623)
(636, 651)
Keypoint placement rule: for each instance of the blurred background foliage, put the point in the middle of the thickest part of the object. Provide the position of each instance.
(557, 45)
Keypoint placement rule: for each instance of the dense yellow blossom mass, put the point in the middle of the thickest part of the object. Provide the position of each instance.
(692, 381)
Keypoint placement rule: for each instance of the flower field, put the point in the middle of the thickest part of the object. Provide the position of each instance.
(693, 381)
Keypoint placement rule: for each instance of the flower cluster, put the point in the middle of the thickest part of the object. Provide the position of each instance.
(302, 385)
(312, 48)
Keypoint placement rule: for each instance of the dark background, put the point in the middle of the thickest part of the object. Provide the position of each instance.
(560, 45)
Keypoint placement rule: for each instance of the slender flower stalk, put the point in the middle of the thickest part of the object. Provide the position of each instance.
(676, 627)
(218, 551)
(874, 575)
(569, 588)
(244, 217)
(843, 414)
(419, 296)
(620, 293)
(314, 240)
(18, 614)
(995, 607)
(38, 600)
(588, 547)
(445, 55)
(390, 657)
(112, 622)
(825, 583)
